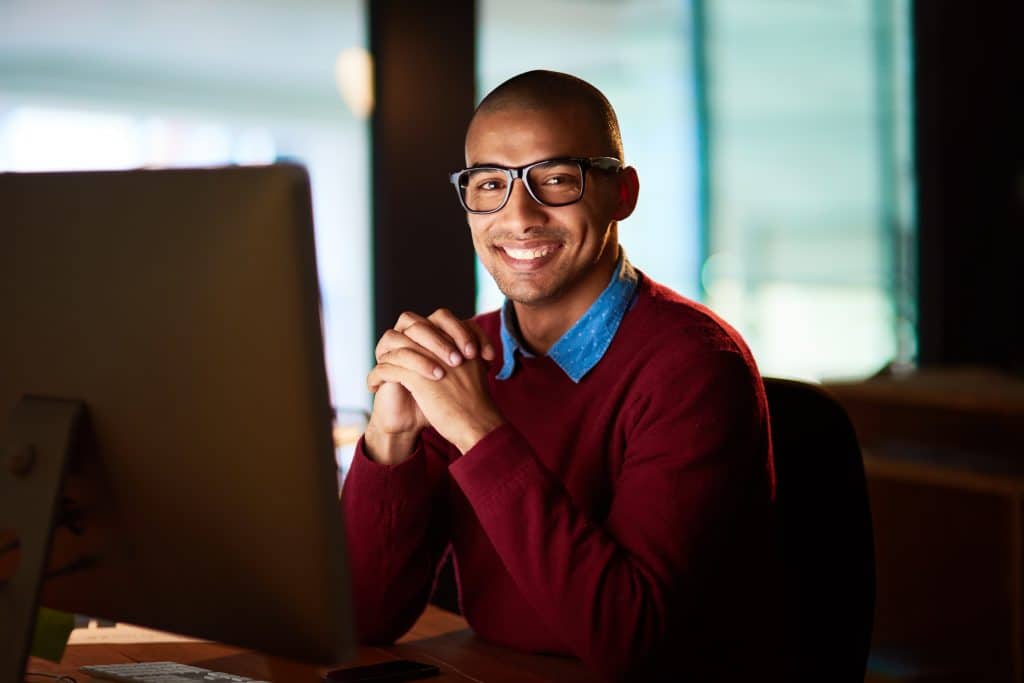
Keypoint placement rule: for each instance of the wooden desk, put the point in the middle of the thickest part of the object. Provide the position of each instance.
(439, 637)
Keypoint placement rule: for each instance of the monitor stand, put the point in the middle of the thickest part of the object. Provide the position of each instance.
(35, 449)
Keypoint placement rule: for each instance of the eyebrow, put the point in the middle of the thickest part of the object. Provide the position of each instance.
(487, 164)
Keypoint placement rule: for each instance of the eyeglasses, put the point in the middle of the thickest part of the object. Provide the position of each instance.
(552, 182)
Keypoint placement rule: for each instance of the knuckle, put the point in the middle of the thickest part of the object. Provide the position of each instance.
(386, 342)
(405, 319)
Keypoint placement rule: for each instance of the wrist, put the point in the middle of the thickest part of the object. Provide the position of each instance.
(476, 431)
(388, 448)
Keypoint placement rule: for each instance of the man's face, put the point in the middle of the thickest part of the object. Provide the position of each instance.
(541, 255)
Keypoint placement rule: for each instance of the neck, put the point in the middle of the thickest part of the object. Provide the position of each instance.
(543, 324)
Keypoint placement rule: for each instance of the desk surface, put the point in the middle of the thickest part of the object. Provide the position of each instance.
(439, 637)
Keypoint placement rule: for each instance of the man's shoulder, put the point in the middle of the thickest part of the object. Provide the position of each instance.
(666, 318)
(675, 346)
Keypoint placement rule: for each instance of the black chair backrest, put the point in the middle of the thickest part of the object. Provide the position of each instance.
(825, 532)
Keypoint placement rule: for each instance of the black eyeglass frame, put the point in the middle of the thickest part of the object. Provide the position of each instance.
(585, 164)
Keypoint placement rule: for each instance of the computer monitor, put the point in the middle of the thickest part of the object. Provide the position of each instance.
(181, 309)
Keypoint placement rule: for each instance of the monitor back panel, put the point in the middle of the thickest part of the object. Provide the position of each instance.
(182, 307)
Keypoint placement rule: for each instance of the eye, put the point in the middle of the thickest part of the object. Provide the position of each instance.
(485, 181)
(556, 180)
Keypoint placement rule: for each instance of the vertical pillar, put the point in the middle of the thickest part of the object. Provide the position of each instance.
(969, 149)
(424, 55)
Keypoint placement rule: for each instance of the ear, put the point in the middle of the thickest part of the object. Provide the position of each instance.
(629, 191)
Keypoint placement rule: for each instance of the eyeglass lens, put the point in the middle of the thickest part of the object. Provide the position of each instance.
(553, 183)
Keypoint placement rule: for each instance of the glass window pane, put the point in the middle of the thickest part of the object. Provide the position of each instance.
(810, 179)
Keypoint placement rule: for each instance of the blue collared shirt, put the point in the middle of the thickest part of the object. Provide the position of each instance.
(585, 343)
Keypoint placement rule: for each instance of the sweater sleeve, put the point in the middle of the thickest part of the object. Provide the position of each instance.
(397, 527)
(695, 443)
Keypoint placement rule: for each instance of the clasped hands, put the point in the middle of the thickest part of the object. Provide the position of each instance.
(431, 371)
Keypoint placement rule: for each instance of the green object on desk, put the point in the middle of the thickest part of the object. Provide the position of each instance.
(53, 629)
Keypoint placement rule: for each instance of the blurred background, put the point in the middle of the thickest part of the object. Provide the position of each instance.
(841, 180)
(773, 141)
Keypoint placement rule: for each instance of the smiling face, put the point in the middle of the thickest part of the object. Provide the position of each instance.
(539, 256)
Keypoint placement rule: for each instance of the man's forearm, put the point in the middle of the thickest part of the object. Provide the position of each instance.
(397, 527)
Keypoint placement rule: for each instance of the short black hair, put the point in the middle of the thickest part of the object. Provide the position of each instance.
(542, 89)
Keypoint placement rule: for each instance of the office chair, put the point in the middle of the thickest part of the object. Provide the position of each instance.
(825, 532)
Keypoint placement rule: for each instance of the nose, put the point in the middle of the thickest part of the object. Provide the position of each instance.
(522, 210)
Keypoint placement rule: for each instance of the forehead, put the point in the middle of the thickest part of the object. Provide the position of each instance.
(514, 137)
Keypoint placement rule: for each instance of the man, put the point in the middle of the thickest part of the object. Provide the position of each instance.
(596, 454)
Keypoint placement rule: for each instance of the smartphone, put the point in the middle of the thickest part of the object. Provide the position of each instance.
(385, 672)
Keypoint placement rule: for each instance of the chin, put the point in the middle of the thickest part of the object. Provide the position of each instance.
(536, 290)
(529, 296)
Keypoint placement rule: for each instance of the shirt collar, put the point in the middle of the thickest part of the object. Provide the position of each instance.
(585, 343)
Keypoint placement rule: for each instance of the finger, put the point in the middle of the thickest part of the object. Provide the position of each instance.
(488, 351)
(432, 338)
(386, 372)
(408, 319)
(463, 336)
(423, 363)
(429, 336)
(393, 339)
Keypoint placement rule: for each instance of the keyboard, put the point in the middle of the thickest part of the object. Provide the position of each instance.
(160, 672)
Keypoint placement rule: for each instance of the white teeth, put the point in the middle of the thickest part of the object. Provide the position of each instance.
(527, 254)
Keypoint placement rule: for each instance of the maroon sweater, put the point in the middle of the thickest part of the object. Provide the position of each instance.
(625, 520)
